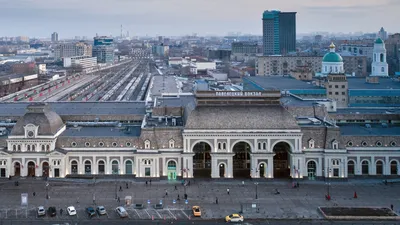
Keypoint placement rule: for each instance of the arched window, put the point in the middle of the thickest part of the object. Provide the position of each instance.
(101, 167)
(224, 146)
(382, 58)
(335, 144)
(265, 146)
(115, 167)
(147, 144)
(43, 148)
(74, 167)
(259, 145)
(88, 167)
(336, 70)
(28, 148)
(379, 168)
(171, 143)
(393, 168)
(47, 148)
(128, 167)
(365, 168)
(311, 143)
(19, 148)
(374, 57)
(14, 148)
(219, 146)
(34, 148)
(350, 167)
(383, 69)
(171, 165)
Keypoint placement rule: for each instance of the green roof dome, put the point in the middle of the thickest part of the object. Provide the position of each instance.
(332, 57)
(379, 41)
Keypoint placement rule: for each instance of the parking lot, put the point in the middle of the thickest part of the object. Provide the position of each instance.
(81, 214)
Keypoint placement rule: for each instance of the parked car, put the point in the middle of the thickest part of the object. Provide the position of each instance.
(234, 218)
(101, 210)
(41, 211)
(71, 211)
(196, 211)
(90, 211)
(52, 211)
(121, 212)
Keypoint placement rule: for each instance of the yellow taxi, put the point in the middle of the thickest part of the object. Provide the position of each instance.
(196, 211)
(234, 218)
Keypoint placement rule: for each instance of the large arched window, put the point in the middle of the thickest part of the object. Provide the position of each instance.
(115, 167)
(350, 167)
(101, 167)
(88, 167)
(379, 168)
(128, 167)
(393, 168)
(74, 167)
(365, 168)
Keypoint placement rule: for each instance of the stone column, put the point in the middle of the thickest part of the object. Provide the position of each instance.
(386, 167)
(372, 167)
(358, 166)
(121, 165)
(270, 165)
(107, 166)
(214, 167)
(24, 170)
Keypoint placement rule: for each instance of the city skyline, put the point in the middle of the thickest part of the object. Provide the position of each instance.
(156, 17)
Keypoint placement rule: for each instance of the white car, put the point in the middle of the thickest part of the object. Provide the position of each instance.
(71, 211)
(41, 211)
(121, 212)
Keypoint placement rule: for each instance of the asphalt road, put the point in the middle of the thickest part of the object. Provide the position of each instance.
(209, 222)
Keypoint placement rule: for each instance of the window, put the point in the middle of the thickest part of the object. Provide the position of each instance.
(224, 146)
(219, 146)
(114, 144)
(336, 86)
(343, 86)
(379, 168)
(378, 143)
(392, 144)
(147, 162)
(383, 69)
(43, 148)
(47, 148)
(350, 168)
(19, 147)
(147, 144)
(28, 148)
(259, 145)
(265, 146)
(364, 144)
(330, 93)
(336, 93)
(311, 143)
(73, 144)
(335, 162)
(33, 148)
(87, 144)
(147, 172)
(101, 144)
(335, 144)
(365, 168)
(343, 93)
(171, 143)
(14, 148)
(128, 144)
(330, 86)
(350, 144)
(336, 172)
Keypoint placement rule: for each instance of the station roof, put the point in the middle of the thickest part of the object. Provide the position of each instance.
(374, 130)
(281, 83)
(163, 84)
(79, 108)
(384, 83)
(131, 131)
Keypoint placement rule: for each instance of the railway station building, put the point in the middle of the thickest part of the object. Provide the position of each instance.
(212, 134)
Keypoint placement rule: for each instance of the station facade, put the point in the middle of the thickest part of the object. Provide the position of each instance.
(225, 135)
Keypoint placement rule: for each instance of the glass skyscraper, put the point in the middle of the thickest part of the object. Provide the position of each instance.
(279, 32)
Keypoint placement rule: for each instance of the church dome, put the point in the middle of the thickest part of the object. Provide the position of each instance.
(332, 57)
(379, 41)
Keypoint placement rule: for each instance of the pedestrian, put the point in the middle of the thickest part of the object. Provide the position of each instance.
(61, 211)
(216, 200)
(77, 200)
(227, 191)
(34, 194)
(185, 196)
(146, 183)
(118, 200)
(298, 185)
(176, 188)
(166, 192)
(120, 188)
(178, 198)
(127, 186)
(150, 182)
(391, 207)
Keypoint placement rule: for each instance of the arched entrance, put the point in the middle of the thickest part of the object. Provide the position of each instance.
(101, 167)
(241, 160)
(261, 170)
(379, 168)
(88, 167)
(115, 167)
(17, 169)
(128, 167)
(222, 170)
(171, 170)
(281, 160)
(201, 160)
(45, 169)
(31, 169)
(74, 167)
(311, 170)
(365, 168)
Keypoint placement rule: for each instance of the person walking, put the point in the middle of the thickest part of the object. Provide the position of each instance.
(150, 182)
(176, 188)
(166, 193)
(146, 183)
(216, 200)
(178, 198)
(61, 211)
(120, 188)
(34, 194)
(227, 191)
(118, 200)
(391, 207)
(127, 186)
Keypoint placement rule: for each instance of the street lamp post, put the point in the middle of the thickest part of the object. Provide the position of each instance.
(47, 190)
(256, 183)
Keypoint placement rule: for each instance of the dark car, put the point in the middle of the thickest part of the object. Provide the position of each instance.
(90, 211)
(52, 211)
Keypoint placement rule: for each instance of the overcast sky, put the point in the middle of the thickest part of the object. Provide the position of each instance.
(39, 18)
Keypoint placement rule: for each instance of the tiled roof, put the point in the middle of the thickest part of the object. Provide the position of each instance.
(241, 117)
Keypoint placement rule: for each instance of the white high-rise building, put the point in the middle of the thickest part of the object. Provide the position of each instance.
(379, 64)
(383, 34)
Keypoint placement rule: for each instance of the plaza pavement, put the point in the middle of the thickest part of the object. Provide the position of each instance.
(291, 203)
